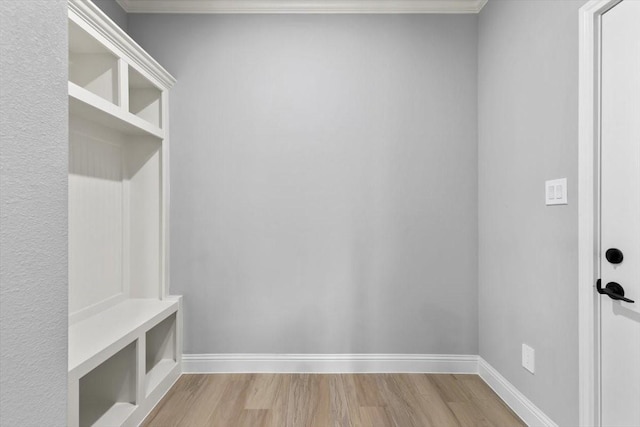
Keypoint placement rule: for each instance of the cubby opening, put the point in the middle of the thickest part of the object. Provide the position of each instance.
(145, 99)
(160, 352)
(114, 195)
(92, 66)
(108, 393)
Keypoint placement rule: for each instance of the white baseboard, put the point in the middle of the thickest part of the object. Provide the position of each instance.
(329, 363)
(526, 410)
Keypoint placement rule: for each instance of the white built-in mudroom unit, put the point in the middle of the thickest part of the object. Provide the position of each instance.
(125, 329)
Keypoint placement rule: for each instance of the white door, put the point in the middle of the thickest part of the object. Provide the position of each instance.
(620, 215)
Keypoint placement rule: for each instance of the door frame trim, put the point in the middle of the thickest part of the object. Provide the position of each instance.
(589, 209)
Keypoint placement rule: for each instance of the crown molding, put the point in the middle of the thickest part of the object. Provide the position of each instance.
(302, 6)
(93, 17)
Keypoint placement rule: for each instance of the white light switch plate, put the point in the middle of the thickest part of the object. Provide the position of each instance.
(528, 358)
(555, 192)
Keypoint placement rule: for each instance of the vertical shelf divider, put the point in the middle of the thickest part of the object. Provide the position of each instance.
(123, 84)
(140, 368)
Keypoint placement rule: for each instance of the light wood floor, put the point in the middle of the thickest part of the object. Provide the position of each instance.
(315, 400)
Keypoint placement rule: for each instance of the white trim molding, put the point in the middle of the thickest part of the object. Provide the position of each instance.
(94, 18)
(329, 363)
(588, 208)
(302, 6)
(523, 407)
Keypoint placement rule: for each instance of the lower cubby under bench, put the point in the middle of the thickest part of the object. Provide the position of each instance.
(122, 361)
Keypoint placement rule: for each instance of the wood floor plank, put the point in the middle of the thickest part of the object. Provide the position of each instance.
(341, 400)
(498, 413)
(262, 391)
(175, 393)
(426, 387)
(229, 409)
(438, 412)
(322, 414)
(367, 390)
(375, 416)
(280, 403)
(340, 415)
(351, 396)
(403, 401)
(468, 415)
(475, 386)
(308, 404)
(209, 397)
(450, 388)
(253, 418)
(177, 402)
(486, 403)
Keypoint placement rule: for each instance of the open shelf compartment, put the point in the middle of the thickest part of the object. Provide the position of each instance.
(86, 104)
(145, 99)
(160, 356)
(92, 66)
(114, 218)
(108, 392)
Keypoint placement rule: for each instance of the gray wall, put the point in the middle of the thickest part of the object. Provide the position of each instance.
(324, 195)
(114, 11)
(528, 133)
(33, 213)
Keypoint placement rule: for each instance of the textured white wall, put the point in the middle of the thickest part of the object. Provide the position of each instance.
(528, 133)
(323, 180)
(33, 213)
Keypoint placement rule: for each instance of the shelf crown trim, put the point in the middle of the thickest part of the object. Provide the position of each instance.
(302, 6)
(101, 23)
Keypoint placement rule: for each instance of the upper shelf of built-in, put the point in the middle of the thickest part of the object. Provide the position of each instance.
(112, 80)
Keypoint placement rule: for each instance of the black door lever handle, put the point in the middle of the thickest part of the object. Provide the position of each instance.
(613, 290)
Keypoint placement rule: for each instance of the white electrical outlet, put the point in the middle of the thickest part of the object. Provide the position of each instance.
(528, 358)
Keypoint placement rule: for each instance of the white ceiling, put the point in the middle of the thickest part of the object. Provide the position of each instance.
(302, 6)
